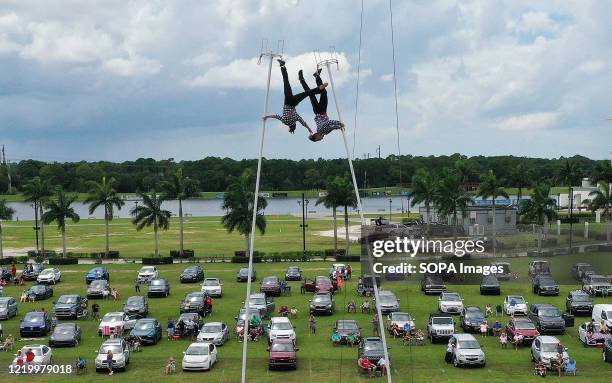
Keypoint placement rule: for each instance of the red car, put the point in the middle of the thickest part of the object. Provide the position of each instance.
(524, 327)
(321, 284)
(283, 354)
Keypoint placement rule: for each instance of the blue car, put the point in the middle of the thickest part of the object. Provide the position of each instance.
(35, 324)
(149, 330)
(97, 273)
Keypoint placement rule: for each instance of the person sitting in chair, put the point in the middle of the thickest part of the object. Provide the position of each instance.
(540, 369)
(81, 365)
(365, 307)
(351, 307)
(293, 312)
(352, 340)
(170, 366)
(336, 338)
(395, 330)
(419, 337)
(365, 364)
(497, 328)
(283, 311)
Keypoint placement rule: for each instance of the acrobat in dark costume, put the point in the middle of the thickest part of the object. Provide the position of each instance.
(319, 107)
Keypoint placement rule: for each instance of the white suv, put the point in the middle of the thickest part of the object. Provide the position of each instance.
(213, 287)
(49, 276)
(440, 326)
(450, 303)
(544, 349)
(467, 351)
(147, 273)
(281, 328)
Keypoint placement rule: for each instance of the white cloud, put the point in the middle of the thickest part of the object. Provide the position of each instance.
(132, 66)
(531, 121)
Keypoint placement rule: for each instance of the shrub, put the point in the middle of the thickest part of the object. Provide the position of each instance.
(63, 261)
(47, 253)
(242, 253)
(237, 259)
(157, 260)
(112, 254)
(186, 253)
(348, 258)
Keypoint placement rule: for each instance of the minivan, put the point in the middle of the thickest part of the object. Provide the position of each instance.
(603, 312)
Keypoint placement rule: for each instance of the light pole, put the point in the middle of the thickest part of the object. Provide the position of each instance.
(303, 203)
(36, 227)
(390, 200)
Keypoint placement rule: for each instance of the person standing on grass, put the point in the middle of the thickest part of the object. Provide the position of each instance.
(312, 324)
(14, 271)
(109, 362)
(137, 285)
(503, 340)
(449, 352)
(375, 323)
(30, 356)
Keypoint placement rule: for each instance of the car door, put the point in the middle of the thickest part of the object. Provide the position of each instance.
(582, 333)
(309, 285)
(225, 332)
(128, 323)
(126, 352)
(213, 354)
(46, 357)
(78, 332)
(536, 348)
(511, 329)
(270, 305)
(13, 306)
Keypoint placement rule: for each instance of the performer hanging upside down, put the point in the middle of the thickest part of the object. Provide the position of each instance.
(290, 116)
(324, 124)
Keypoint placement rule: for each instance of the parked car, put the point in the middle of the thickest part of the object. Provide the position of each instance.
(322, 303)
(263, 303)
(40, 292)
(432, 284)
(271, 286)
(195, 303)
(347, 327)
(400, 319)
(320, 284)
(283, 353)
(97, 273)
(147, 274)
(5, 275)
(467, 351)
(607, 351)
(43, 355)
(116, 321)
(8, 307)
(49, 276)
(35, 324)
(136, 307)
(281, 328)
(547, 318)
(70, 306)
(505, 274)
(199, 356)
(31, 271)
(65, 334)
(544, 349)
(594, 284)
(581, 270)
(294, 273)
(515, 304)
(522, 326)
(450, 303)
(158, 287)
(536, 268)
(593, 339)
(371, 348)
(335, 269)
(603, 312)
(388, 302)
(121, 355)
(149, 330)
(98, 289)
(490, 285)
(471, 318)
(578, 302)
(544, 284)
(192, 274)
(214, 332)
(440, 326)
(213, 287)
(242, 315)
(243, 275)
(194, 317)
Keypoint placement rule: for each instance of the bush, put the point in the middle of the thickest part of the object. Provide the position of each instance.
(331, 253)
(157, 261)
(237, 259)
(63, 261)
(574, 219)
(186, 253)
(242, 253)
(112, 254)
(46, 254)
(348, 258)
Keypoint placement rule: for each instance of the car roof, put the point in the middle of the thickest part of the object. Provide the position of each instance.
(400, 313)
(146, 320)
(270, 277)
(98, 268)
(213, 324)
(515, 296)
(346, 321)
(112, 341)
(199, 344)
(385, 292)
(5, 298)
(548, 339)
(281, 340)
(464, 336)
(65, 324)
(521, 319)
(605, 306)
(542, 305)
(440, 315)
(578, 292)
(114, 313)
(472, 308)
(257, 295)
(69, 295)
(280, 319)
(34, 346)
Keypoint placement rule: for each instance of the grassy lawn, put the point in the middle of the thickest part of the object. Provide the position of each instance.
(318, 360)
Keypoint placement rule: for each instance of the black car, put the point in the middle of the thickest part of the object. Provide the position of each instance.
(194, 317)
(136, 307)
(544, 284)
(31, 270)
(65, 334)
(432, 284)
(40, 292)
(547, 319)
(607, 351)
(490, 285)
(149, 330)
(581, 270)
(243, 275)
(471, 318)
(5, 275)
(192, 274)
(70, 306)
(371, 348)
(270, 286)
(98, 289)
(35, 324)
(579, 302)
(195, 303)
(322, 304)
(159, 287)
(97, 273)
(294, 273)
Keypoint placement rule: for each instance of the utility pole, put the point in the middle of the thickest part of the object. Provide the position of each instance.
(304, 204)
(378, 151)
(390, 200)
(8, 171)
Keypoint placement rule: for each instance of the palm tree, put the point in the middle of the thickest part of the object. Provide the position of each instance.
(345, 197)
(238, 204)
(38, 191)
(6, 214)
(424, 190)
(330, 201)
(59, 209)
(150, 212)
(104, 194)
(180, 188)
(465, 170)
(452, 197)
(520, 178)
(602, 199)
(539, 209)
(491, 187)
(567, 175)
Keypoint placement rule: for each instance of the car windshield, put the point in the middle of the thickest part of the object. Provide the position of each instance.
(321, 299)
(191, 270)
(270, 280)
(34, 317)
(114, 348)
(451, 297)
(490, 280)
(64, 330)
(67, 299)
(96, 271)
(211, 283)
(147, 270)
(36, 350)
(322, 281)
(401, 317)
(144, 325)
(257, 300)
(549, 312)
(517, 299)
(547, 281)
(386, 298)
(98, 284)
(524, 325)
(442, 320)
(243, 271)
(373, 346)
(112, 318)
(158, 282)
(3, 304)
(193, 298)
(281, 347)
(46, 272)
(38, 288)
(474, 315)
(211, 328)
(197, 349)
(281, 326)
(599, 280)
(293, 269)
(347, 326)
(468, 344)
(581, 298)
(132, 301)
(549, 347)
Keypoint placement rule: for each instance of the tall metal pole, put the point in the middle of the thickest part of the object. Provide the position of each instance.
(303, 224)
(390, 200)
(381, 328)
(36, 225)
(253, 227)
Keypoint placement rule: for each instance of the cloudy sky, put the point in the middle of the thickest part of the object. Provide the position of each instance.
(118, 79)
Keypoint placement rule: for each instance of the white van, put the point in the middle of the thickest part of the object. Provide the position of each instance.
(603, 312)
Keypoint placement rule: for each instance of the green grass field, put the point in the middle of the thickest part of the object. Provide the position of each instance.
(318, 360)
